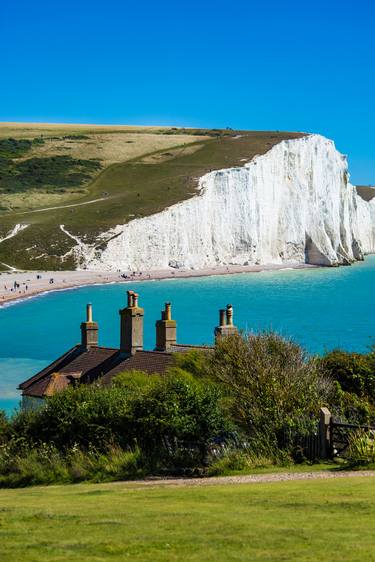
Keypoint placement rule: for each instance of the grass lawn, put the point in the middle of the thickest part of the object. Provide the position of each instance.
(321, 520)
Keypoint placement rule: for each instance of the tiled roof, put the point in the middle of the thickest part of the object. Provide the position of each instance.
(49, 385)
(149, 361)
(56, 365)
(97, 363)
(88, 365)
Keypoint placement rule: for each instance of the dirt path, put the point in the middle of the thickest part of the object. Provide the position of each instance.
(61, 206)
(250, 478)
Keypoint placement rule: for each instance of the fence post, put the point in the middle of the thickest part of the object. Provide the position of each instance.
(324, 432)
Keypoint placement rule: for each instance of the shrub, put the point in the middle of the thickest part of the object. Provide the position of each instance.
(272, 384)
(362, 447)
(172, 418)
(134, 381)
(88, 415)
(349, 407)
(194, 362)
(257, 454)
(45, 464)
(355, 372)
(4, 427)
(58, 172)
(175, 420)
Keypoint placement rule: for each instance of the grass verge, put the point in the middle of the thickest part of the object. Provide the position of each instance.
(301, 520)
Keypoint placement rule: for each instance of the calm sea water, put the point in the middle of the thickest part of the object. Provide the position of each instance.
(320, 308)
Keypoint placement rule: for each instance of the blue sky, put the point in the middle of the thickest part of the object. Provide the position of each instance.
(284, 65)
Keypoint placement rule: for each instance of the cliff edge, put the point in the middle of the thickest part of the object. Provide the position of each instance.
(294, 204)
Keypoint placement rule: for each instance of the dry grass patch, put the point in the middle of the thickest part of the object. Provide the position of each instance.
(109, 148)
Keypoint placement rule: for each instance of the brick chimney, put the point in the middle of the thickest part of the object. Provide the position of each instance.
(131, 332)
(226, 326)
(89, 330)
(166, 330)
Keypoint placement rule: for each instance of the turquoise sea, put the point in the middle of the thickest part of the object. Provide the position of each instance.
(320, 308)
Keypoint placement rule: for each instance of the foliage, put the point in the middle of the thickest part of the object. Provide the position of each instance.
(237, 461)
(272, 383)
(194, 362)
(251, 401)
(172, 420)
(14, 148)
(4, 427)
(362, 447)
(41, 173)
(22, 465)
(87, 415)
(75, 137)
(176, 419)
(255, 453)
(134, 381)
(349, 407)
(355, 372)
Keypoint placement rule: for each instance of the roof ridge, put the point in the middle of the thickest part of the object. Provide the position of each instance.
(47, 369)
(104, 347)
(154, 351)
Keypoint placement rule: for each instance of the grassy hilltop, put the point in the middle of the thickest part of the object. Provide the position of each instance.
(91, 178)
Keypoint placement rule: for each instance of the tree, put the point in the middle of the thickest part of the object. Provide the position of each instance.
(271, 382)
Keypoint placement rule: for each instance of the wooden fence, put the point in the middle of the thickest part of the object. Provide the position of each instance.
(335, 435)
(329, 439)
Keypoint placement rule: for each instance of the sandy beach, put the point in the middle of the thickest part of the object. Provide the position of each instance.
(19, 285)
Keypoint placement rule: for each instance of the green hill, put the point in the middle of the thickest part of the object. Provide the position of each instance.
(92, 178)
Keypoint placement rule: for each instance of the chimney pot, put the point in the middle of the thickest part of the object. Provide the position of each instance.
(166, 330)
(89, 330)
(229, 314)
(130, 298)
(131, 336)
(89, 312)
(222, 317)
(226, 327)
(168, 311)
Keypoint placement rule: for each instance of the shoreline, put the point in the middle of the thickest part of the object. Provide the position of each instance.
(17, 286)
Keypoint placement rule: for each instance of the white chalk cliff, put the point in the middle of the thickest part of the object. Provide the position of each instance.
(293, 204)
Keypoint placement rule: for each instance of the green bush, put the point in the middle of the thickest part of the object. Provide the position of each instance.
(257, 452)
(57, 172)
(88, 415)
(355, 372)
(14, 148)
(5, 427)
(361, 449)
(22, 465)
(241, 461)
(194, 362)
(271, 383)
(172, 419)
(134, 382)
(349, 407)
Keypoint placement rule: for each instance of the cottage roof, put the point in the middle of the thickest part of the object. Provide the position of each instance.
(88, 365)
(89, 362)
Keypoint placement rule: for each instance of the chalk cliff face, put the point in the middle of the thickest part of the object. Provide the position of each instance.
(294, 204)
